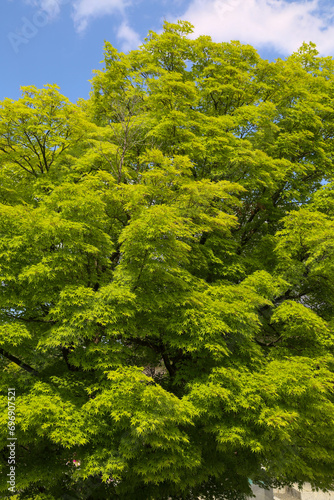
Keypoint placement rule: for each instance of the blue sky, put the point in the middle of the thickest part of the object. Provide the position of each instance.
(61, 41)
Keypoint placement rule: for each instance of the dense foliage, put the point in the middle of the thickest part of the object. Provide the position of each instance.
(167, 265)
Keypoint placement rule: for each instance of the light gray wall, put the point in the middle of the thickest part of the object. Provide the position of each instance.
(305, 494)
(308, 494)
(262, 494)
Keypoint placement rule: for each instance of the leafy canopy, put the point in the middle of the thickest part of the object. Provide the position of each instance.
(167, 270)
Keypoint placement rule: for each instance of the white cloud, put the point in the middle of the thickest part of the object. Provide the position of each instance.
(128, 37)
(85, 10)
(52, 7)
(281, 24)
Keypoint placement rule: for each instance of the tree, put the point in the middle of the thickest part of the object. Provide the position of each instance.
(167, 272)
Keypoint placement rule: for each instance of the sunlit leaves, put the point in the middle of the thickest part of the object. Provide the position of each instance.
(166, 263)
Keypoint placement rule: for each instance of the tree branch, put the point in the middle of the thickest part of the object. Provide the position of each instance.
(18, 362)
(269, 344)
(170, 368)
(65, 352)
